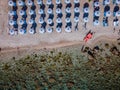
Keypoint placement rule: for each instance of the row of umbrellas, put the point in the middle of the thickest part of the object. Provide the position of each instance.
(48, 2)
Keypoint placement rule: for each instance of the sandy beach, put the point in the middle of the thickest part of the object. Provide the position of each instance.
(52, 40)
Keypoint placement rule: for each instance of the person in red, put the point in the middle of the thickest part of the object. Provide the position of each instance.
(88, 36)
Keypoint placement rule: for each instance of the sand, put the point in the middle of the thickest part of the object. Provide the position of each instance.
(39, 41)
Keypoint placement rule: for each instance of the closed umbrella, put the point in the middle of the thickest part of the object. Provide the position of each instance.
(49, 2)
(12, 22)
(22, 31)
(42, 30)
(30, 3)
(31, 31)
(107, 13)
(21, 3)
(21, 22)
(76, 10)
(11, 3)
(40, 11)
(67, 1)
(106, 2)
(58, 10)
(31, 21)
(11, 12)
(58, 1)
(76, 1)
(41, 20)
(76, 19)
(118, 13)
(117, 1)
(58, 20)
(39, 2)
(68, 10)
(49, 11)
(22, 12)
(85, 19)
(68, 29)
(97, 13)
(67, 20)
(11, 32)
(31, 12)
(58, 29)
(86, 10)
(49, 30)
(96, 4)
(49, 21)
(96, 22)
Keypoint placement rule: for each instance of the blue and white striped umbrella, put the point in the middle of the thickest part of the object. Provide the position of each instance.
(68, 29)
(42, 30)
(21, 3)
(49, 30)
(11, 3)
(58, 29)
(58, 1)
(11, 32)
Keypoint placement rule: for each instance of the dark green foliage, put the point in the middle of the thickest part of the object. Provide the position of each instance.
(63, 71)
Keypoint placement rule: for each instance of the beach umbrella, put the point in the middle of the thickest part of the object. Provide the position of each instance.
(97, 13)
(59, 20)
(117, 1)
(31, 31)
(67, 1)
(85, 19)
(76, 19)
(40, 11)
(29, 2)
(11, 3)
(49, 21)
(12, 22)
(22, 31)
(41, 20)
(96, 22)
(67, 20)
(68, 10)
(68, 29)
(96, 4)
(39, 2)
(58, 1)
(76, 1)
(58, 29)
(22, 12)
(86, 10)
(31, 12)
(107, 13)
(118, 13)
(21, 3)
(76, 10)
(49, 2)
(49, 11)
(11, 13)
(42, 30)
(49, 30)
(58, 10)
(21, 22)
(106, 2)
(11, 32)
(31, 21)
(116, 23)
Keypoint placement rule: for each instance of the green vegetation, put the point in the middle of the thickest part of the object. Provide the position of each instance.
(70, 70)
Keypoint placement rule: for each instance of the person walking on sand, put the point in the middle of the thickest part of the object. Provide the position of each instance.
(113, 30)
(119, 32)
(76, 27)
